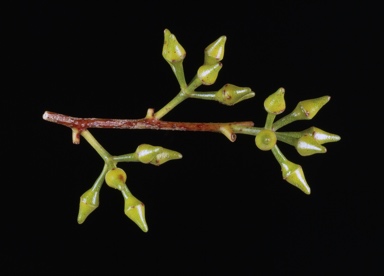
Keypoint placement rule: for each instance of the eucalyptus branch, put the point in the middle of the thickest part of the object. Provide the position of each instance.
(81, 124)
(307, 142)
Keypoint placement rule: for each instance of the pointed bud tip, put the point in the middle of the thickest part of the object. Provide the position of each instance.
(294, 175)
(84, 211)
(134, 209)
(137, 215)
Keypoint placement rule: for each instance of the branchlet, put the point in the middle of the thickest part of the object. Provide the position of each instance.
(307, 142)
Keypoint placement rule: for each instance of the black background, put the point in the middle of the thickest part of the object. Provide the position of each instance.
(224, 207)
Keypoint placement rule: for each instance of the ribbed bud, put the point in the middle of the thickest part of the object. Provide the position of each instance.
(116, 178)
(172, 50)
(135, 210)
(306, 110)
(321, 136)
(89, 201)
(265, 139)
(293, 174)
(208, 73)
(155, 155)
(231, 94)
(308, 145)
(215, 51)
(275, 103)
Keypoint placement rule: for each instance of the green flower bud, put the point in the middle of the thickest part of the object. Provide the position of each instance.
(293, 174)
(89, 201)
(116, 178)
(135, 210)
(215, 51)
(231, 94)
(321, 136)
(307, 145)
(172, 50)
(275, 103)
(155, 155)
(265, 139)
(306, 110)
(208, 73)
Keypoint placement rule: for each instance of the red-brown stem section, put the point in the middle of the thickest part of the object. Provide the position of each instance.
(82, 124)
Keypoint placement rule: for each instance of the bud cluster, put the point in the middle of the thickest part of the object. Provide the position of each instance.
(307, 142)
(115, 177)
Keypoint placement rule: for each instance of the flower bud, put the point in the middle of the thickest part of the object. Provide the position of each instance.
(321, 136)
(208, 73)
(307, 145)
(293, 174)
(172, 50)
(275, 103)
(135, 210)
(155, 155)
(231, 94)
(89, 201)
(215, 51)
(116, 178)
(265, 139)
(306, 110)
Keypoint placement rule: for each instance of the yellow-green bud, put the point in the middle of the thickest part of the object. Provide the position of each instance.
(135, 210)
(321, 136)
(172, 50)
(293, 174)
(208, 73)
(275, 103)
(306, 110)
(307, 145)
(155, 155)
(116, 178)
(265, 139)
(231, 94)
(89, 201)
(215, 51)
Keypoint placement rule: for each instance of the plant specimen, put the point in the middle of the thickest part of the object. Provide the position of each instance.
(307, 142)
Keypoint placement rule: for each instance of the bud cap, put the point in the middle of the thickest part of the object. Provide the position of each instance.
(275, 103)
(215, 51)
(135, 210)
(89, 201)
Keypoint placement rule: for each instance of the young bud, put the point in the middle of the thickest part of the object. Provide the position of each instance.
(307, 145)
(231, 94)
(306, 110)
(155, 155)
(116, 178)
(135, 210)
(293, 174)
(215, 51)
(275, 103)
(208, 73)
(321, 136)
(265, 139)
(89, 201)
(172, 50)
